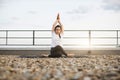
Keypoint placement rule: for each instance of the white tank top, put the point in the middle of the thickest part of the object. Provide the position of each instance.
(56, 40)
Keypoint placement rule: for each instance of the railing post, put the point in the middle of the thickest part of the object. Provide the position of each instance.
(117, 43)
(89, 41)
(33, 37)
(6, 37)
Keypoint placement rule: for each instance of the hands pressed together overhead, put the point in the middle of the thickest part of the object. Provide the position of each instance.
(57, 21)
(58, 17)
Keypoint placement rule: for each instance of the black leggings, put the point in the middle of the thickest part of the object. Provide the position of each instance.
(57, 52)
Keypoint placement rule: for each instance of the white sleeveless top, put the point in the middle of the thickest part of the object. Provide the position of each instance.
(56, 40)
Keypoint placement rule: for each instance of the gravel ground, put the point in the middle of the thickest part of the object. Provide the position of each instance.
(87, 67)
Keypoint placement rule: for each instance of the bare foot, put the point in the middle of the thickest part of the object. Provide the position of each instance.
(70, 55)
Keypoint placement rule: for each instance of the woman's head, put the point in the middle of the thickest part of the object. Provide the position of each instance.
(58, 29)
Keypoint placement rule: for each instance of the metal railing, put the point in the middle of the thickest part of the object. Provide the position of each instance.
(6, 37)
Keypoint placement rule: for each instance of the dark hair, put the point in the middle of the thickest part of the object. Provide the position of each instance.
(57, 27)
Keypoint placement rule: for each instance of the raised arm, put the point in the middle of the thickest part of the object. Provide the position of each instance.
(55, 23)
(61, 25)
(58, 18)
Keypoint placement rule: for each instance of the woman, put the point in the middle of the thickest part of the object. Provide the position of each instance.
(57, 36)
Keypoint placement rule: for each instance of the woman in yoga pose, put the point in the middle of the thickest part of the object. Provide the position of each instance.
(57, 37)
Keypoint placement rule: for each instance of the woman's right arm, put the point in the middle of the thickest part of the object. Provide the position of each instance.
(55, 23)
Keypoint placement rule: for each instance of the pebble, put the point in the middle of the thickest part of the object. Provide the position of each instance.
(88, 67)
(87, 78)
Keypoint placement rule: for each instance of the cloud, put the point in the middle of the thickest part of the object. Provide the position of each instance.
(1, 3)
(15, 18)
(32, 12)
(79, 10)
(112, 5)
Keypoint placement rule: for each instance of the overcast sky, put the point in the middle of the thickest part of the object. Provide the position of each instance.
(75, 14)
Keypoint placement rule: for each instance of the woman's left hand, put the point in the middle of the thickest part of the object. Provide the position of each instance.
(58, 17)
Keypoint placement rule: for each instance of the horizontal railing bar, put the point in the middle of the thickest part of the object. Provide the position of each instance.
(94, 37)
(103, 44)
(103, 37)
(42, 37)
(2, 44)
(19, 38)
(64, 37)
(63, 44)
(104, 30)
(17, 30)
(93, 30)
(20, 45)
(91, 44)
(65, 30)
(27, 45)
(25, 30)
(16, 37)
